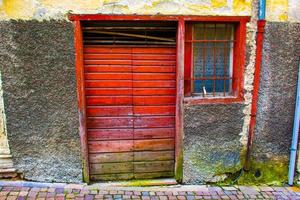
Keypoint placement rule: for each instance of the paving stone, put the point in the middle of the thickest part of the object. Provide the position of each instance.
(248, 190)
(12, 197)
(172, 197)
(4, 193)
(181, 197)
(59, 190)
(145, 193)
(190, 197)
(127, 193)
(177, 193)
(229, 188)
(163, 197)
(51, 189)
(266, 189)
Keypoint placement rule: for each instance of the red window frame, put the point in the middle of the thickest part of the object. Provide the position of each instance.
(239, 54)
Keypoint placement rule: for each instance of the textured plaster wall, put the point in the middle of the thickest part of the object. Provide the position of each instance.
(57, 9)
(276, 99)
(37, 65)
(212, 147)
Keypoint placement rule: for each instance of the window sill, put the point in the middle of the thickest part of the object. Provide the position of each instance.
(211, 100)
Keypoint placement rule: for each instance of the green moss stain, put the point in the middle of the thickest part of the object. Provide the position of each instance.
(179, 168)
(144, 183)
(272, 172)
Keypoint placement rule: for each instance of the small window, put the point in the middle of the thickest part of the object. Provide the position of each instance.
(209, 60)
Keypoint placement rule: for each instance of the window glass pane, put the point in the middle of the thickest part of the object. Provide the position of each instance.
(212, 58)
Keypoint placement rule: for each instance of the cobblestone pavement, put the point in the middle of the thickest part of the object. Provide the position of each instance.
(11, 190)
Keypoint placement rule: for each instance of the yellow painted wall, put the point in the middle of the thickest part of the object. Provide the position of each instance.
(57, 9)
(283, 10)
(277, 10)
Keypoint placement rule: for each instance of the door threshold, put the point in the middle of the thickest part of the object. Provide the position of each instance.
(135, 183)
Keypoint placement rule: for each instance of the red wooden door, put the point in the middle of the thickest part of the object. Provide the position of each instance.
(130, 97)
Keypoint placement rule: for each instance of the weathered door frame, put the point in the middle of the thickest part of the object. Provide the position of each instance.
(78, 44)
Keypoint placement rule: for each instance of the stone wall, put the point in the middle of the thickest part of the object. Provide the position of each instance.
(37, 65)
(212, 147)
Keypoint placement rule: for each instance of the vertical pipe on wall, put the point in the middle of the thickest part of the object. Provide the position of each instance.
(295, 134)
(262, 10)
(258, 59)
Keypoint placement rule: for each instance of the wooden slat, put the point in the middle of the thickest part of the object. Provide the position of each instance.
(108, 76)
(150, 133)
(108, 91)
(155, 50)
(154, 84)
(154, 166)
(153, 76)
(154, 100)
(106, 50)
(153, 175)
(108, 84)
(152, 62)
(112, 177)
(113, 62)
(109, 122)
(112, 157)
(109, 100)
(100, 111)
(105, 56)
(107, 68)
(110, 168)
(110, 146)
(154, 69)
(153, 122)
(154, 57)
(153, 91)
(154, 110)
(110, 134)
(153, 155)
(154, 145)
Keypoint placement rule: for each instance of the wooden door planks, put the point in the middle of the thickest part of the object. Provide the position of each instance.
(154, 93)
(130, 97)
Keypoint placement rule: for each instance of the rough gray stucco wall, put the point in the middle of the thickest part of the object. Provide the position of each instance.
(212, 144)
(37, 64)
(277, 92)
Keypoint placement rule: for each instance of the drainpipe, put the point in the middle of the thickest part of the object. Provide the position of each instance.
(259, 45)
(295, 134)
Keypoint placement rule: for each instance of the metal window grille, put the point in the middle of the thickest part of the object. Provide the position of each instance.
(212, 71)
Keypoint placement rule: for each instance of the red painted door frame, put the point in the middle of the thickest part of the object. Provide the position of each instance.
(179, 75)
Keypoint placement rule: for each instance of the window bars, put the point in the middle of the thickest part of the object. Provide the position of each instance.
(212, 59)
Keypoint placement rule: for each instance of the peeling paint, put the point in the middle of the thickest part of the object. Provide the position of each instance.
(57, 9)
(277, 10)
